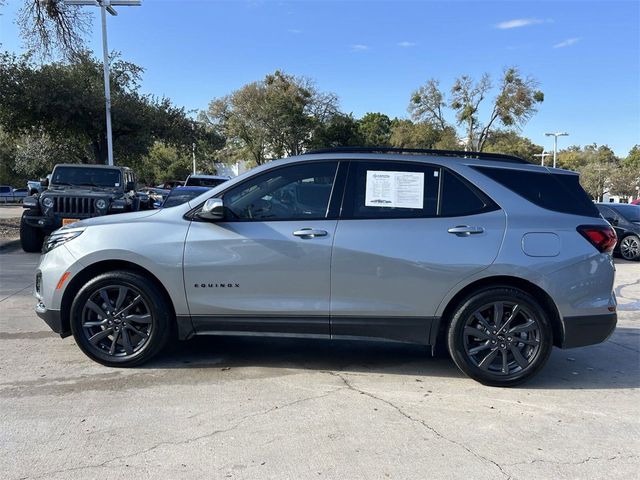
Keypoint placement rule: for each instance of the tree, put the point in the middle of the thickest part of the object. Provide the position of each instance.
(624, 181)
(271, 118)
(516, 101)
(510, 142)
(340, 130)
(375, 130)
(65, 100)
(633, 159)
(407, 134)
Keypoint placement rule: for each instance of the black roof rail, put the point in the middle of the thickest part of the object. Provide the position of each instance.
(501, 157)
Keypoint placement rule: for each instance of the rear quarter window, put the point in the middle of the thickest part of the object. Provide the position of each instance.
(559, 192)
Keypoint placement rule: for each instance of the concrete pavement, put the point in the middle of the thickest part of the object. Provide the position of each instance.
(266, 408)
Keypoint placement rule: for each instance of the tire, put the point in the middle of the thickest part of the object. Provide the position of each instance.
(630, 247)
(125, 339)
(31, 238)
(490, 354)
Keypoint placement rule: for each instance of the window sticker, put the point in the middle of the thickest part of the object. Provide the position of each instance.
(394, 189)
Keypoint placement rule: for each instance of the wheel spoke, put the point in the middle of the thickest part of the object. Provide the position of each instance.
(131, 305)
(100, 335)
(486, 361)
(95, 308)
(146, 318)
(526, 341)
(498, 312)
(514, 312)
(95, 324)
(137, 332)
(105, 298)
(525, 327)
(476, 333)
(122, 293)
(126, 341)
(112, 350)
(518, 356)
(482, 321)
(505, 364)
(479, 348)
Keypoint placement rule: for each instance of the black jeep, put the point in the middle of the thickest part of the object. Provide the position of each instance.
(76, 192)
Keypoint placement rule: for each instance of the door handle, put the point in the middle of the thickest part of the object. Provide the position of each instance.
(465, 230)
(310, 233)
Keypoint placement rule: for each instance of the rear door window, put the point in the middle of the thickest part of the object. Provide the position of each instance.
(459, 197)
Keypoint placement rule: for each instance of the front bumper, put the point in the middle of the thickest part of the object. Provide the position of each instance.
(52, 318)
(580, 331)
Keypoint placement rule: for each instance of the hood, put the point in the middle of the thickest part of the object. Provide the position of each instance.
(82, 192)
(114, 218)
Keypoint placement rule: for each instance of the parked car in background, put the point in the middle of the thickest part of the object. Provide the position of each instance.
(497, 259)
(35, 186)
(157, 195)
(180, 195)
(77, 192)
(636, 202)
(169, 184)
(19, 194)
(205, 180)
(8, 194)
(625, 219)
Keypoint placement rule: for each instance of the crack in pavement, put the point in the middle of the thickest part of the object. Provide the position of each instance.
(419, 421)
(17, 292)
(579, 462)
(185, 441)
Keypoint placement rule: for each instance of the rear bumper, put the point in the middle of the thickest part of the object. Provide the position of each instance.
(585, 330)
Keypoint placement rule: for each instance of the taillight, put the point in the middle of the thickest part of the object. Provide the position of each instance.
(602, 237)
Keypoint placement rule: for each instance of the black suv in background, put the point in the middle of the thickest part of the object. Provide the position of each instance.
(76, 192)
(625, 219)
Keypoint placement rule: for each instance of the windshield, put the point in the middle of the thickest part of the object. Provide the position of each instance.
(630, 212)
(82, 176)
(203, 182)
(178, 197)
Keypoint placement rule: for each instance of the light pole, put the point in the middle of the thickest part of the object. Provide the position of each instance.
(542, 156)
(555, 144)
(193, 146)
(106, 6)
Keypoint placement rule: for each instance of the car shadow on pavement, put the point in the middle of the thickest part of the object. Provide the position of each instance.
(611, 365)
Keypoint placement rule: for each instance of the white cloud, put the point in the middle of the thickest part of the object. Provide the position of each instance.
(567, 43)
(519, 22)
(358, 47)
(406, 44)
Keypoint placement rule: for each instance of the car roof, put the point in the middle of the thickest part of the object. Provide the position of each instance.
(191, 187)
(85, 165)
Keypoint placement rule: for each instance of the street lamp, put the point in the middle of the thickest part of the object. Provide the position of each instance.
(542, 156)
(106, 6)
(555, 144)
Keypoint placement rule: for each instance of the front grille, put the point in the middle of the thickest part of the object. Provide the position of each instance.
(75, 206)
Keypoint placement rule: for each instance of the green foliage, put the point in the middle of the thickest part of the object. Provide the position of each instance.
(65, 100)
(340, 130)
(633, 159)
(516, 101)
(271, 118)
(624, 181)
(407, 134)
(375, 130)
(510, 142)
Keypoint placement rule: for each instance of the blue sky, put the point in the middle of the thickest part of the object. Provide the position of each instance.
(373, 54)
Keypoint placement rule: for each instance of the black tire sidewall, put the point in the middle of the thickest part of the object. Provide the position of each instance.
(31, 238)
(160, 312)
(455, 337)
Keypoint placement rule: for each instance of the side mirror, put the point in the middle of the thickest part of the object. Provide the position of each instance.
(44, 182)
(213, 209)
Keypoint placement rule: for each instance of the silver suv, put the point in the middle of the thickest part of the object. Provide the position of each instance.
(494, 258)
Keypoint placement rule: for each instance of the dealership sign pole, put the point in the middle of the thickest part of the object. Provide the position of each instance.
(106, 6)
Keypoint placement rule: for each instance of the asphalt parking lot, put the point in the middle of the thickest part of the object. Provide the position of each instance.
(265, 408)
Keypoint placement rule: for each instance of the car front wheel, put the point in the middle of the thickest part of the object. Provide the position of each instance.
(120, 319)
(500, 337)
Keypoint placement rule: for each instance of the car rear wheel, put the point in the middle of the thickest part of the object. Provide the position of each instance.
(630, 247)
(500, 337)
(119, 319)
(31, 238)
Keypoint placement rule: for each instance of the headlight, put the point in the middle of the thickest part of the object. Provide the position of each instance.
(58, 238)
(47, 202)
(101, 204)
